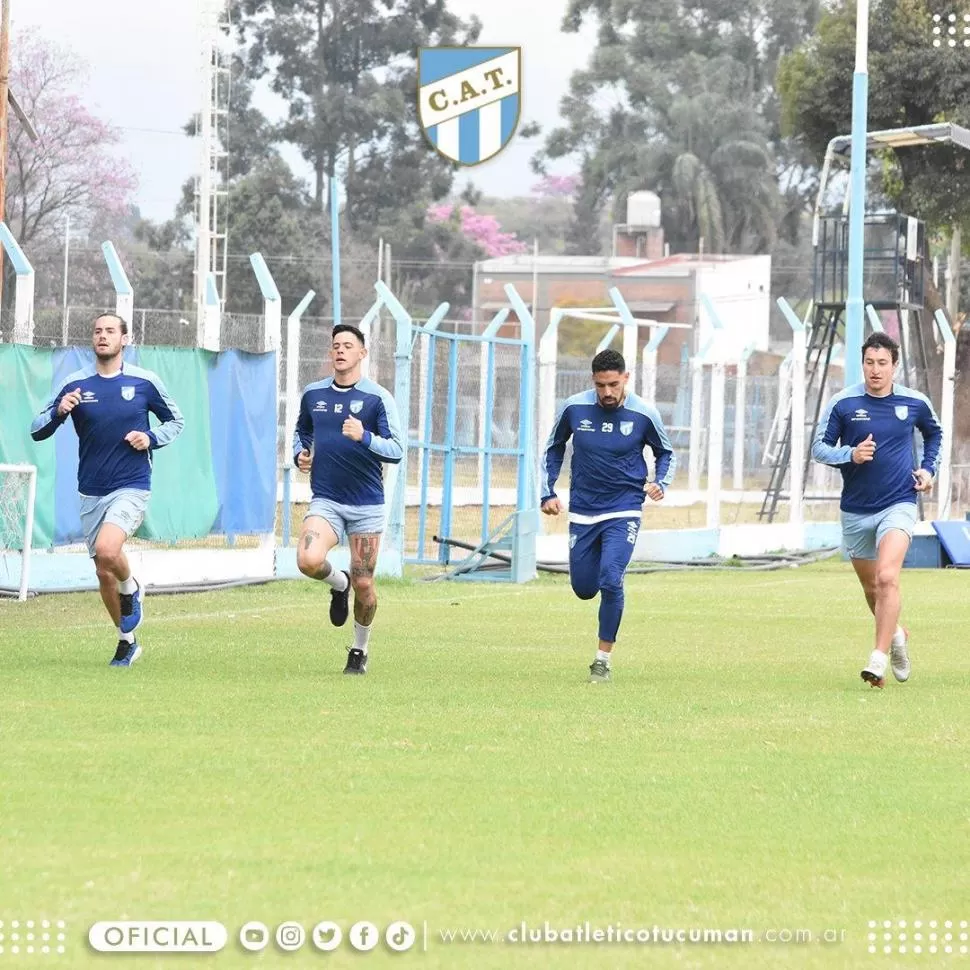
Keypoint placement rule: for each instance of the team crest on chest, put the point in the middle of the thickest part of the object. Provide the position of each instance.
(902, 411)
(355, 407)
(128, 393)
(626, 427)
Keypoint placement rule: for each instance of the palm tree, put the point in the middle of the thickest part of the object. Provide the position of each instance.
(714, 172)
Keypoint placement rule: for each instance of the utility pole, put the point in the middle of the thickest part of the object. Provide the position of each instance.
(4, 87)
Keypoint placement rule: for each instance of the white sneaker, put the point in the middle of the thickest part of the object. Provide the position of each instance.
(874, 672)
(899, 658)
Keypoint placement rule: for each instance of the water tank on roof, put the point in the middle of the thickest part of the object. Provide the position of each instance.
(643, 210)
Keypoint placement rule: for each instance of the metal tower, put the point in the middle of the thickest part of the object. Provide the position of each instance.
(212, 182)
(893, 274)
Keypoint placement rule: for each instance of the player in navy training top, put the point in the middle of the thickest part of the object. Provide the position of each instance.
(347, 429)
(607, 486)
(109, 404)
(867, 432)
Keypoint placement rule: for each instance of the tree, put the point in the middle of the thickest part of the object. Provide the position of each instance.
(270, 213)
(909, 84)
(72, 170)
(543, 216)
(161, 264)
(483, 230)
(347, 74)
(679, 99)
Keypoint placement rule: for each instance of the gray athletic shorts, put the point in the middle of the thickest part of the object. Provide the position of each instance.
(862, 532)
(348, 520)
(124, 508)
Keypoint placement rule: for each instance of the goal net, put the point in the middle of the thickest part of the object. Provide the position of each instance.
(18, 486)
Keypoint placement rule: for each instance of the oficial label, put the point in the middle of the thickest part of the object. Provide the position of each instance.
(158, 936)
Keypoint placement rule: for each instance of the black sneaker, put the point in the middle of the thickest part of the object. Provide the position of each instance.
(356, 662)
(126, 654)
(340, 603)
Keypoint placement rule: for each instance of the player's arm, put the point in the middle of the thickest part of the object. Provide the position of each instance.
(657, 439)
(388, 443)
(555, 454)
(161, 404)
(302, 434)
(55, 414)
(829, 431)
(932, 432)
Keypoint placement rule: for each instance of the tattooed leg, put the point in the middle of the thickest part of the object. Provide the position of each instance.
(363, 563)
(316, 540)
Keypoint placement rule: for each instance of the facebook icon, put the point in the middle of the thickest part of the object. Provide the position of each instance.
(364, 936)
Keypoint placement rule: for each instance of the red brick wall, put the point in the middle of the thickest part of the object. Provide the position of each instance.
(651, 243)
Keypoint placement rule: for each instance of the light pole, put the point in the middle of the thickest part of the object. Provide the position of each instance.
(857, 198)
(335, 247)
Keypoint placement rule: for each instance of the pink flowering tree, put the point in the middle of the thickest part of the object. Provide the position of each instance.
(557, 186)
(483, 230)
(72, 169)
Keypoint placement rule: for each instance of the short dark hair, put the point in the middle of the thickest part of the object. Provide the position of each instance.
(609, 360)
(348, 328)
(882, 341)
(110, 313)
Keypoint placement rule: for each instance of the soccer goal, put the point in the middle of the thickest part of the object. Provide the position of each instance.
(18, 489)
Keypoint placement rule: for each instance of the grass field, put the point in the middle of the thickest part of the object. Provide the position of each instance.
(736, 774)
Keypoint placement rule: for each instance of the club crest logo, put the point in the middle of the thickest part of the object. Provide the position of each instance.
(902, 411)
(355, 407)
(572, 539)
(128, 393)
(626, 427)
(469, 100)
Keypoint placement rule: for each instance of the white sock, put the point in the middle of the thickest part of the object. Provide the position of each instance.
(128, 586)
(877, 662)
(361, 636)
(899, 637)
(603, 655)
(127, 637)
(336, 580)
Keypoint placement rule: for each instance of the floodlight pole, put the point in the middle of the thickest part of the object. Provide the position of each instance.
(4, 78)
(796, 461)
(857, 195)
(944, 480)
(335, 247)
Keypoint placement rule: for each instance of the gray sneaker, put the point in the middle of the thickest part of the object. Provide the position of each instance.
(899, 659)
(599, 672)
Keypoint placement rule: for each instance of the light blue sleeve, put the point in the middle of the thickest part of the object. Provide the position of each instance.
(167, 411)
(388, 443)
(663, 451)
(929, 427)
(828, 432)
(48, 421)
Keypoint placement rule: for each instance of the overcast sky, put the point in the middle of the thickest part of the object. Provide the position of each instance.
(143, 79)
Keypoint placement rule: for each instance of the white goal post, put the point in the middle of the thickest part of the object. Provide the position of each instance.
(18, 491)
